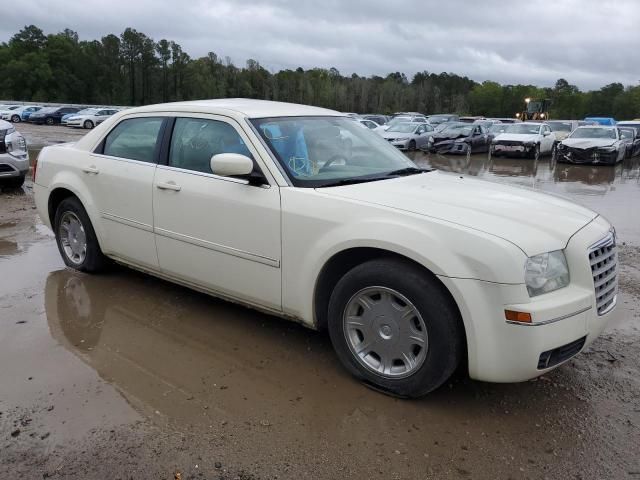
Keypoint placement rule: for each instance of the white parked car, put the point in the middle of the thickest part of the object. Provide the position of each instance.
(527, 139)
(15, 114)
(7, 111)
(300, 212)
(90, 119)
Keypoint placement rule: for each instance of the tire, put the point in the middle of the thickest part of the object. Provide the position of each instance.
(412, 145)
(13, 182)
(435, 318)
(93, 260)
(15, 118)
(88, 124)
(535, 153)
(49, 121)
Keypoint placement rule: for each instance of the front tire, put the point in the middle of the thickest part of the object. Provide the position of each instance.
(49, 121)
(15, 118)
(76, 239)
(395, 327)
(412, 146)
(88, 124)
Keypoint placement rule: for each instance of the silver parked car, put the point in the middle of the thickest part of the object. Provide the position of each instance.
(408, 135)
(14, 158)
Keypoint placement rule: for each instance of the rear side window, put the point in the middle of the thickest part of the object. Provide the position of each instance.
(135, 139)
(196, 140)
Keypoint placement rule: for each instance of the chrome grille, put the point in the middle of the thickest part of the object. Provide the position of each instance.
(603, 257)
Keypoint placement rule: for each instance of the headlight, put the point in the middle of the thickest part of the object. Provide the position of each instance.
(607, 149)
(561, 146)
(546, 272)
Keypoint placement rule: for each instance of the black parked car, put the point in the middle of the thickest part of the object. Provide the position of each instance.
(459, 138)
(51, 115)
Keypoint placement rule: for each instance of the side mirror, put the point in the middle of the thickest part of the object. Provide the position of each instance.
(231, 164)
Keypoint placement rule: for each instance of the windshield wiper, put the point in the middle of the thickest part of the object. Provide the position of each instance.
(351, 181)
(407, 171)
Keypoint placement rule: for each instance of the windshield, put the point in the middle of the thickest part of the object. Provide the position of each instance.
(322, 151)
(403, 127)
(498, 128)
(560, 126)
(594, 132)
(523, 128)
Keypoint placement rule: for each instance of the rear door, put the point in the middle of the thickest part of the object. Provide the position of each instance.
(221, 233)
(121, 170)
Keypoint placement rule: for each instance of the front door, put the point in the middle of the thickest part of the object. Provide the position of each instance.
(220, 233)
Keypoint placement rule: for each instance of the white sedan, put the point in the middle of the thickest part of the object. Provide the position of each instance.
(90, 119)
(527, 139)
(301, 212)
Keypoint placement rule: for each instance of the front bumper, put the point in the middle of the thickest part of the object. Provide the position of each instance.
(513, 149)
(460, 148)
(586, 156)
(74, 123)
(564, 322)
(11, 166)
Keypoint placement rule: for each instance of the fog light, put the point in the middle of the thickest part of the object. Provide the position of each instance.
(514, 316)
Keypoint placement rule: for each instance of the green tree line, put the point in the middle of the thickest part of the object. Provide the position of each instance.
(134, 69)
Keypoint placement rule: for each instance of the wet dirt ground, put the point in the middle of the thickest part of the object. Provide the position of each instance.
(125, 376)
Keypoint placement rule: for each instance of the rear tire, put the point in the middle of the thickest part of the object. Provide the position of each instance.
(70, 240)
(49, 121)
(412, 305)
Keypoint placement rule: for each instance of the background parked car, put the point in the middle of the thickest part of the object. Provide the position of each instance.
(370, 124)
(16, 115)
(90, 119)
(14, 157)
(379, 119)
(630, 137)
(528, 139)
(51, 115)
(8, 110)
(606, 121)
(439, 118)
(408, 135)
(594, 144)
(461, 138)
(65, 117)
(562, 128)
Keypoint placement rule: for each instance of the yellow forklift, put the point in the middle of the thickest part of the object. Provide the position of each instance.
(535, 109)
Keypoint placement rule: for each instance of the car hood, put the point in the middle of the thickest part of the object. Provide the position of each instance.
(588, 142)
(518, 137)
(533, 221)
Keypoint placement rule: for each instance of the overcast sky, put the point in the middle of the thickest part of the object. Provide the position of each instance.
(588, 42)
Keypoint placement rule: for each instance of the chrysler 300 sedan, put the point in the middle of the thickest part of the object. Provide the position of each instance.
(300, 212)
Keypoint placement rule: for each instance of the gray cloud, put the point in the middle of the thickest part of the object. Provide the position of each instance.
(589, 42)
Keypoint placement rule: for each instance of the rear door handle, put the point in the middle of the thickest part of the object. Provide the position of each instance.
(169, 186)
(91, 169)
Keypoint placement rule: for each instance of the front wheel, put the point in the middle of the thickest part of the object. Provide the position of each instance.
(412, 145)
(76, 239)
(535, 153)
(15, 118)
(394, 327)
(88, 124)
(49, 121)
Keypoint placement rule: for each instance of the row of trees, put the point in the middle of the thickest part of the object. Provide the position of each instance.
(133, 69)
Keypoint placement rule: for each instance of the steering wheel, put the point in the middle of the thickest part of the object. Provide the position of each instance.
(332, 160)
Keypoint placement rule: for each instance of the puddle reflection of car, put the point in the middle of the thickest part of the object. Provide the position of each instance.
(459, 138)
(510, 167)
(227, 197)
(586, 174)
(593, 144)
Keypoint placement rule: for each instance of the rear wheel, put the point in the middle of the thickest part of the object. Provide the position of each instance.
(76, 239)
(88, 124)
(49, 121)
(395, 327)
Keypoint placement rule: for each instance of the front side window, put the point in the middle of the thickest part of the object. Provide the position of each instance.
(135, 139)
(324, 151)
(196, 140)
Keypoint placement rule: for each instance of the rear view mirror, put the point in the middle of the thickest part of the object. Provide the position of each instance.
(231, 164)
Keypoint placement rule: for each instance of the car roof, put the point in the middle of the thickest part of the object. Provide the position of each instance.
(605, 127)
(240, 106)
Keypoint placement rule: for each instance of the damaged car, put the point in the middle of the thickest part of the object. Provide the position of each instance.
(594, 144)
(527, 139)
(408, 135)
(630, 137)
(459, 138)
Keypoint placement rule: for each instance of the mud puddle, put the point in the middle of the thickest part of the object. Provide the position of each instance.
(125, 376)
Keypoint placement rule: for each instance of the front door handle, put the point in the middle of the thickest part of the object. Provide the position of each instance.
(169, 186)
(91, 169)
